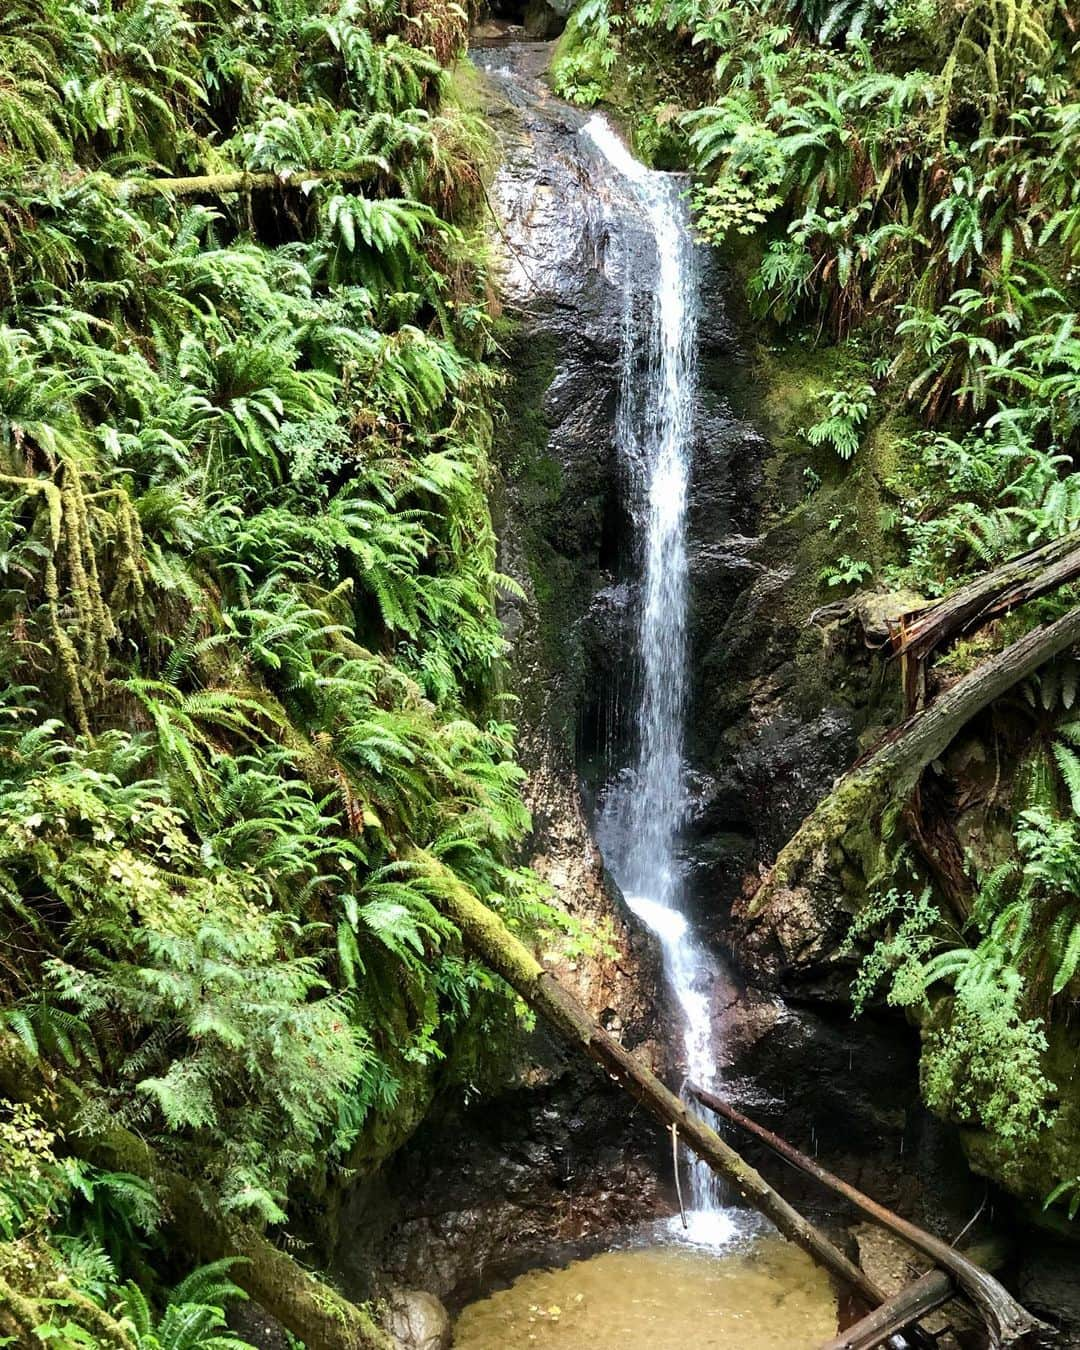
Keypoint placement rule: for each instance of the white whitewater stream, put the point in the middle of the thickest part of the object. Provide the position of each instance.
(643, 813)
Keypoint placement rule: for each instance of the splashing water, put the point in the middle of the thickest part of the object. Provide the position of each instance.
(644, 811)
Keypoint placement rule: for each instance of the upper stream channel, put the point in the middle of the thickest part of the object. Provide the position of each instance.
(711, 1277)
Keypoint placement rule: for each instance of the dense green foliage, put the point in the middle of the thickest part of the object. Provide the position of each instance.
(251, 725)
(75, 1223)
(904, 177)
(914, 191)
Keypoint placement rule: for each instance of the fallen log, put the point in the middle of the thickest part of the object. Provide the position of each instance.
(1023, 578)
(20, 1317)
(492, 941)
(1035, 573)
(305, 1305)
(1006, 1321)
(213, 184)
(893, 769)
(903, 1309)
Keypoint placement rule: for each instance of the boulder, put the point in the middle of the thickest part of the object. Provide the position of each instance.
(418, 1321)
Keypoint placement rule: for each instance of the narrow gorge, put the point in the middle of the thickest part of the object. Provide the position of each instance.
(539, 734)
(650, 658)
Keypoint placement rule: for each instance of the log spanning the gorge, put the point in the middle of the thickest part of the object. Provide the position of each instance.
(1006, 1321)
(893, 769)
(309, 1308)
(492, 941)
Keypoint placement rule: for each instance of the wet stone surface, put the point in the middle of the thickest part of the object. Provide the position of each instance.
(486, 1190)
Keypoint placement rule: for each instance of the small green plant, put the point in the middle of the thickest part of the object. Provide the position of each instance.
(902, 926)
(194, 1314)
(846, 571)
(1066, 1190)
(589, 52)
(729, 205)
(841, 428)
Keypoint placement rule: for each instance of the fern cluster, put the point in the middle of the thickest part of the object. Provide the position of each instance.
(909, 171)
(982, 1045)
(72, 1225)
(984, 993)
(252, 729)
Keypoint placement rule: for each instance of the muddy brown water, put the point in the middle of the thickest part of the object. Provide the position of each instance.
(765, 1294)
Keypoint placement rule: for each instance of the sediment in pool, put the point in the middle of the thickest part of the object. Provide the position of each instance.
(758, 1294)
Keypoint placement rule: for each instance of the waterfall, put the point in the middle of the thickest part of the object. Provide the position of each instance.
(644, 811)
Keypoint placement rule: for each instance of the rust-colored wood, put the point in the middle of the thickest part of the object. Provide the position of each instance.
(1005, 1320)
(1026, 577)
(904, 1308)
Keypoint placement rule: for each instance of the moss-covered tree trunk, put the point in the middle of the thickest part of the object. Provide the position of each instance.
(220, 184)
(309, 1308)
(1038, 572)
(856, 804)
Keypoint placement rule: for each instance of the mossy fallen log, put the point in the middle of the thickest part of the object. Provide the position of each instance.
(238, 180)
(1038, 572)
(492, 941)
(20, 1316)
(308, 1307)
(1026, 577)
(889, 774)
(222, 184)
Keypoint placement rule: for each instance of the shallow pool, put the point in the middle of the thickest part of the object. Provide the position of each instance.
(755, 1293)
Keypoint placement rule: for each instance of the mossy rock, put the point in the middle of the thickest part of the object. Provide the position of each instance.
(1031, 1172)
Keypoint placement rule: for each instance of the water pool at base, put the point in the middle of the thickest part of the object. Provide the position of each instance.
(761, 1294)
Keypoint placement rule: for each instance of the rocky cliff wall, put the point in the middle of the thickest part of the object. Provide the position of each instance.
(555, 1157)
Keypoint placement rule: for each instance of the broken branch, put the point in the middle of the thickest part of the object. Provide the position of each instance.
(904, 1308)
(1032, 574)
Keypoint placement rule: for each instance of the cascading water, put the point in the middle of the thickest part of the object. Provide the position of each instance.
(643, 813)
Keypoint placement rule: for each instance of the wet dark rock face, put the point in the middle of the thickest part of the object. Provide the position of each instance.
(775, 717)
(501, 1186)
(1049, 1288)
(554, 1158)
(767, 742)
(772, 720)
(557, 1157)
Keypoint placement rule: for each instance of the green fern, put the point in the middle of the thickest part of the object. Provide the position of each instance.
(247, 597)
